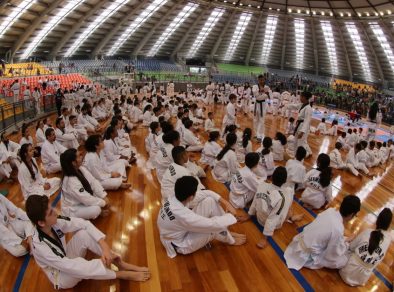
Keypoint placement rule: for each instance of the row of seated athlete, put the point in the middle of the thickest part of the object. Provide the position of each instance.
(87, 184)
(191, 215)
(92, 153)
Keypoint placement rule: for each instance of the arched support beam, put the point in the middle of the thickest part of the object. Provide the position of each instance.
(220, 38)
(284, 42)
(380, 71)
(315, 54)
(349, 67)
(115, 30)
(152, 31)
(37, 21)
(250, 49)
(185, 37)
(74, 29)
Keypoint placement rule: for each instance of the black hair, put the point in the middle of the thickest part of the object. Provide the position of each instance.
(147, 108)
(267, 144)
(231, 139)
(177, 153)
(323, 165)
(213, 136)
(230, 129)
(66, 159)
(108, 132)
(246, 136)
(323, 120)
(188, 123)
(358, 147)
(92, 143)
(232, 96)
(23, 156)
(279, 177)
(383, 222)
(36, 208)
(252, 159)
(372, 144)
(364, 144)
(166, 127)
(153, 126)
(291, 119)
(171, 137)
(343, 134)
(282, 138)
(185, 187)
(48, 132)
(350, 205)
(57, 123)
(300, 153)
(338, 145)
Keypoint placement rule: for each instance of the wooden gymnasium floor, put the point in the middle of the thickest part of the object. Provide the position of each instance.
(131, 231)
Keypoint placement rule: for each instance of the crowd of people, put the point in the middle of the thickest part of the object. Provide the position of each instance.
(90, 145)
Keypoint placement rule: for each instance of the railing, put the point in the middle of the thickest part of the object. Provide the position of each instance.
(12, 114)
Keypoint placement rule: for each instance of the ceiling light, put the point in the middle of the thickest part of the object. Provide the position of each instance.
(331, 14)
(322, 13)
(359, 14)
(376, 14)
(225, 1)
(367, 13)
(307, 11)
(278, 9)
(388, 12)
(258, 7)
(290, 10)
(240, 4)
(314, 12)
(270, 8)
(298, 11)
(250, 5)
(341, 14)
(349, 14)
(234, 3)
(381, 13)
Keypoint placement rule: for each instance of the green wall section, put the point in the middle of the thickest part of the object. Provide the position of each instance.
(224, 68)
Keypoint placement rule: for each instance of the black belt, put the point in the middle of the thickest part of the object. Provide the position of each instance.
(297, 125)
(261, 106)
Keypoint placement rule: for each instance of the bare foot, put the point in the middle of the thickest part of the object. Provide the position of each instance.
(296, 218)
(125, 186)
(239, 241)
(262, 243)
(133, 276)
(123, 266)
(238, 235)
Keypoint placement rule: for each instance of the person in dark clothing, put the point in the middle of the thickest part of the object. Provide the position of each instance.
(59, 101)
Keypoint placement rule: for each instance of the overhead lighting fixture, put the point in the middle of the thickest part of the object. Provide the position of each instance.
(242, 23)
(249, 5)
(341, 14)
(278, 9)
(349, 14)
(307, 11)
(290, 10)
(367, 13)
(270, 8)
(376, 14)
(225, 1)
(331, 14)
(322, 13)
(381, 13)
(314, 12)
(258, 7)
(240, 4)
(359, 14)
(388, 12)
(298, 11)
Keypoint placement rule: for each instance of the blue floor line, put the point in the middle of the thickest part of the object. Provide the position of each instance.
(300, 279)
(22, 270)
(376, 272)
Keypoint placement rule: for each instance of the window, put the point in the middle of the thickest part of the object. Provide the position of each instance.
(237, 35)
(171, 28)
(136, 23)
(299, 29)
(204, 32)
(49, 26)
(14, 15)
(377, 30)
(330, 44)
(272, 21)
(99, 20)
(362, 56)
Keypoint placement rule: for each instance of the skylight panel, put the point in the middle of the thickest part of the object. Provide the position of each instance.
(14, 15)
(330, 44)
(171, 28)
(377, 30)
(206, 29)
(135, 24)
(49, 26)
(100, 19)
(299, 28)
(270, 28)
(237, 35)
(362, 56)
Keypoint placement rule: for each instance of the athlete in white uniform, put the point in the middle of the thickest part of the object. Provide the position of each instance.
(367, 250)
(64, 263)
(322, 243)
(185, 231)
(260, 94)
(15, 228)
(50, 152)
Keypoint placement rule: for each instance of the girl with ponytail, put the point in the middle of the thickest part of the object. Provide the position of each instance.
(367, 250)
(317, 182)
(244, 145)
(30, 178)
(82, 194)
(226, 164)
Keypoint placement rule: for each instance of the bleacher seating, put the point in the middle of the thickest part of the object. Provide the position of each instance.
(354, 85)
(65, 81)
(24, 69)
(71, 66)
(156, 65)
(232, 78)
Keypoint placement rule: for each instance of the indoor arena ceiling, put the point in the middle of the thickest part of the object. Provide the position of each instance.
(344, 38)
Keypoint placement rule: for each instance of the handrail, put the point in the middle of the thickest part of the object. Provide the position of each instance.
(12, 114)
